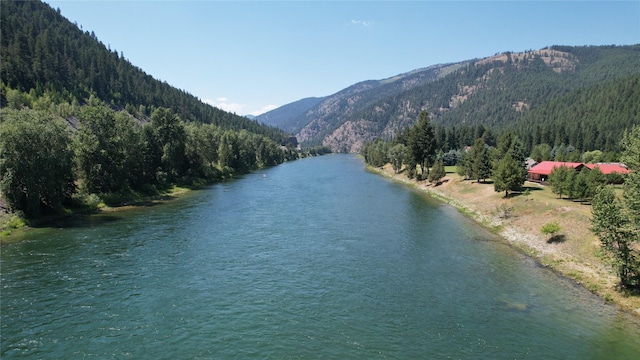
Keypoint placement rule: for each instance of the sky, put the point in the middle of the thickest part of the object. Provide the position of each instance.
(249, 57)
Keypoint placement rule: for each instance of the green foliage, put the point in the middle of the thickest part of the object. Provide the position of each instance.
(398, 154)
(464, 166)
(376, 152)
(541, 152)
(616, 221)
(631, 157)
(615, 228)
(169, 137)
(437, 172)
(509, 171)
(422, 143)
(550, 228)
(509, 175)
(558, 179)
(35, 161)
(479, 161)
(48, 61)
(106, 149)
(594, 156)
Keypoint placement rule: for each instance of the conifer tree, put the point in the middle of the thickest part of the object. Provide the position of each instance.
(422, 143)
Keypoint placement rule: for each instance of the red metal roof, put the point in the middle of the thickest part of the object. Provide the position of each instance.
(546, 167)
(609, 168)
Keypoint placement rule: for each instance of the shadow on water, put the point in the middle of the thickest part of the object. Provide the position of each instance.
(77, 221)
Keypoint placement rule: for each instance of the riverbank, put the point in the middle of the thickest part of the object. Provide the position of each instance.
(13, 227)
(518, 219)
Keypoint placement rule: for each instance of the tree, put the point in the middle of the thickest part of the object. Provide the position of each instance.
(169, 135)
(422, 143)
(397, 155)
(480, 161)
(437, 172)
(550, 229)
(509, 176)
(509, 172)
(464, 166)
(616, 221)
(100, 151)
(558, 180)
(616, 231)
(541, 152)
(36, 164)
(580, 188)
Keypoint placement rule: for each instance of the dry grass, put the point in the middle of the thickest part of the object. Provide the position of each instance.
(574, 251)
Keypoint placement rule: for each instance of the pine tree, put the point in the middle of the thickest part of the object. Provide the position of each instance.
(422, 143)
(480, 161)
(509, 175)
(617, 222)
(437, 172)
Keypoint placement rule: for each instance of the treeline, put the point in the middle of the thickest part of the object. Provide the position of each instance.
(44, 164)
(46, 57)
(479, 154)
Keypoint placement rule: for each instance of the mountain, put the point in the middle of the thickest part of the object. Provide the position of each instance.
(47, 56)
(321, 120)
(497, 92)
(284, 116)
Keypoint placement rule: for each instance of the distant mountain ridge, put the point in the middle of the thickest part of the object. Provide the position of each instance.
(496, 91)
(309, 123)
(281, 117)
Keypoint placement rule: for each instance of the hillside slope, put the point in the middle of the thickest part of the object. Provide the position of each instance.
(328, 115)
(46, 55)
(496, 92)
(283, 117)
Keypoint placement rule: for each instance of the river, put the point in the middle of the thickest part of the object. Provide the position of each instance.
(315, 258)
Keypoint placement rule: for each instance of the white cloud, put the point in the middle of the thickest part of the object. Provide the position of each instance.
(362, 22)
(224, 104)
(263, 110)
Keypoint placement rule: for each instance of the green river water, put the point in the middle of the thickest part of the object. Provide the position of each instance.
(315, 258)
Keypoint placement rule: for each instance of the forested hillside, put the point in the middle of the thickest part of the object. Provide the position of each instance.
(81, 126)
(534, 93)
(52, 60)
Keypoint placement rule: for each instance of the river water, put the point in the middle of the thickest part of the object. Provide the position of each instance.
(315, 258)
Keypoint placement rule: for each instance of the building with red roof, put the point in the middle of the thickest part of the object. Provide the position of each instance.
(609, 168)
(541, 171)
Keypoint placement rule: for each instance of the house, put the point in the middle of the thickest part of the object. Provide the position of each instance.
(609, 168)
(541, 171)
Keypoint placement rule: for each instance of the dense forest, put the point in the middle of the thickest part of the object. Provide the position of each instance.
(81, 126)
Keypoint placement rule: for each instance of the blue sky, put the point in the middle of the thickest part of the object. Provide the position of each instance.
(249, 57)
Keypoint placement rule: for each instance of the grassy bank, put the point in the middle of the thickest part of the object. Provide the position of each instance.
(573, 252)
